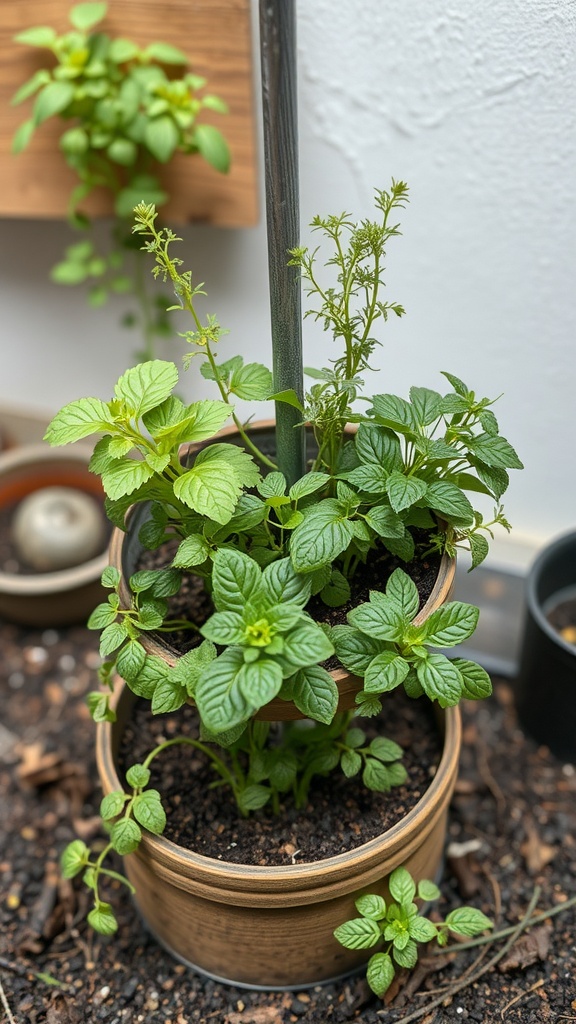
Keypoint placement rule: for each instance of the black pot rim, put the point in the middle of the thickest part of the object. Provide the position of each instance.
(548, 554)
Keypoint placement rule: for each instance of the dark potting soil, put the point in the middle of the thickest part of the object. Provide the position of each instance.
(340, 815)
(512, 818)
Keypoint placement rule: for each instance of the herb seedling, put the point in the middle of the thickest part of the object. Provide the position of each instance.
(399, 927)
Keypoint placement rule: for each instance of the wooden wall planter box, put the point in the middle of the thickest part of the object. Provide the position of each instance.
(216, 34)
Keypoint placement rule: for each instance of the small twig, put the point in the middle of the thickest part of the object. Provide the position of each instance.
(522, 995)
(495, 936)
(7, 1009)
(464, 983)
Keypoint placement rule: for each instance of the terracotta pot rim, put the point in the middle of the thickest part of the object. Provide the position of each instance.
(226, 875)
(39, 584)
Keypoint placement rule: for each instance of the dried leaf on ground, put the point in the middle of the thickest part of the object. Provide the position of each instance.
(536, 853)
(530, 947)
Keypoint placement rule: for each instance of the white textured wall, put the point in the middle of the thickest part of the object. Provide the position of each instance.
(474, 104)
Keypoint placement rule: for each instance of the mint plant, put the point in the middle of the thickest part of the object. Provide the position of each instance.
(125, 111)
(388, 479)
(399, 927)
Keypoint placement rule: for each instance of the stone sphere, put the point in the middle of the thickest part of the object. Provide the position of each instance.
(58, 527)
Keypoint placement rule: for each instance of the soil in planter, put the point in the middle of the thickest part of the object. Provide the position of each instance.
(10, 560)
(560, 610)
(341, 813)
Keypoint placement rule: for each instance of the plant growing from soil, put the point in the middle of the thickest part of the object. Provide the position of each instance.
(276, 559)
(400, 926)
(124, 115)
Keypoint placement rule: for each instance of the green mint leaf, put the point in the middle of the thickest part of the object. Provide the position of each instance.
(125, 836)
(493, 477)
(321, 537)
(236, 579)
(144, 386)
(273, 485)
(422, 930)
(191, 665)
(253, 797)
(165, 53)
(161, 136)
(440, 680)
(479, 548)
(405, 953)
(355, 737)
(78, 420)
(385, 672)
(112, 637)
(404, 491)
(359, 933)
(283, 771)
(125, 476)
(403, 547)
(494, 451)
(148, 811)
(238, 460)
(221, 702)
(252, 382)
(426, 404)
(467, 921)
(380, 973)
(385, 750)
(207, 418)
(451, 624)
(477, 682)
(138, 776)
(401, 588)
(169, 695)
(376, 776)
(382, 619)
(307, 644)
(402, 886)
(85, 16)
(458, 385)
(351, 764)
(354, 649)
(224, 628)
(74, 858)
(41, 35)
(488, 421)
(282, 584)
(337, 590)
(378, 446)
(385, 522)
(289, 397)
(315, 693)
(260, 681)
(308, 484)
(192, 551)
(102, 919)
(101, 617)
(369, 705)
(395, 412)
(213, 147)
(211, 488)
(428, 891)
(112, 805)
(153, 672)
(371, 906)
(53, 99)
(448, 499)
(130, 660)
(369, 478)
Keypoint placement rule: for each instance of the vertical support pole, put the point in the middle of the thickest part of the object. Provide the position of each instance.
(279, 107)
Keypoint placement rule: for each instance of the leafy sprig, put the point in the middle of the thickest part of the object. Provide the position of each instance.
(399, 927)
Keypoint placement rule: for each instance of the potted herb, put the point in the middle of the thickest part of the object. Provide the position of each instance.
(308, 608)
(125, 112)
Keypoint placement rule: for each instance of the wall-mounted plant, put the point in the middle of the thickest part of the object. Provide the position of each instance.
(125, 112)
